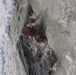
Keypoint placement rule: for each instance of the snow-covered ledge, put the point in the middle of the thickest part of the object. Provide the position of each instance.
(12, 16)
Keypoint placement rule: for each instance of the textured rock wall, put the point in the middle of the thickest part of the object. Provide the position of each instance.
(61, 30)
(61, 33)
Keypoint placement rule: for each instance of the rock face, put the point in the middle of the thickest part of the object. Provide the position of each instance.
(60, 27)
(40, 58)
(60, 31)
(39, 61)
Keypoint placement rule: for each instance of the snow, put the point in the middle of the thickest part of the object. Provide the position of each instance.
(61, 33)
(8, 61)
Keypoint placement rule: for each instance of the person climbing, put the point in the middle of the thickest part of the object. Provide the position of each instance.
(30, 31)
(36, 32)
(33, 28)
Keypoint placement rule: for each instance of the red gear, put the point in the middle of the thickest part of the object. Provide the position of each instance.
(36, 27)
(36, 32)
(27, 31)
(32, 20)
(30, 31)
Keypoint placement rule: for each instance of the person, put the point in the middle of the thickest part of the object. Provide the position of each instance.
(36, 32)
(30, 31)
